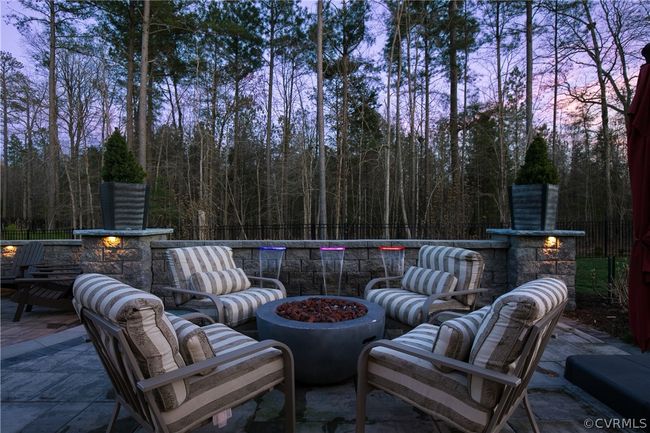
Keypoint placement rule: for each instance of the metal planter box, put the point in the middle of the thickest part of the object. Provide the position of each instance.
(533, 207)
(124, 205)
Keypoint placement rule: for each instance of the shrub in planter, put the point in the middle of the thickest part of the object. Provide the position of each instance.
(123, 193)
(533, 197)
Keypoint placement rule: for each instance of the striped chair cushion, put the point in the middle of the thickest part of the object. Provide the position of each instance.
(238, 307)
(141, 315)
(455, 336)
(418, 382)
(230, 383)
(220, 282)
(427, 281)
(466, 265)
(193, 343)
(184, 262)
(501, 336)
(406, 306)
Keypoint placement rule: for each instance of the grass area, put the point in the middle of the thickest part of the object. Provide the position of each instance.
(591, 274)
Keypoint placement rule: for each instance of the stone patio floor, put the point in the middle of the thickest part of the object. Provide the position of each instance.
(53, 381)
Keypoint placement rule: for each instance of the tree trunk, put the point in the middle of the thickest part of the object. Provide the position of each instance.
(52, 160)
(398, 139)
(456, 200)
(556, 73)
(130, 74)
(427, 127)
(501, 193)
(5, 141)
(144, 86)
(269, 105)
(529, 72)
(321, 125)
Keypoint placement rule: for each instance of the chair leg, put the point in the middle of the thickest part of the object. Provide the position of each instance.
(19, 311)
(362, 391)
(289, 393)
(116, 412)
(529, 412)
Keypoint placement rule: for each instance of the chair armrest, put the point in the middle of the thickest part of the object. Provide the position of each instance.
(427, 304)
(192, 317)
(273, 281)
(214, 298)
(194, 369)
(376, 281)
(495, 376)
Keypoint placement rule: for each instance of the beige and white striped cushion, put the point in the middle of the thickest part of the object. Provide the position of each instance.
(141, 315)
(427, 281)
(466, 265)
(419, 383)
(229, 384)
(406, 306)
(455, 336)
(238, 307)
(183, 262)
(501, 336)
(193, 343)
(220, 282)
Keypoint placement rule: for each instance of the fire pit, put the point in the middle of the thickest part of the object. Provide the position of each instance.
(317, 310)
(328, 335)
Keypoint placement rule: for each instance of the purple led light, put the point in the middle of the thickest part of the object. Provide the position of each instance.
(332, 248)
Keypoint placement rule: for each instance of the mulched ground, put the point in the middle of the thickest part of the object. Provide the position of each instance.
(319, 310)
(595, 310)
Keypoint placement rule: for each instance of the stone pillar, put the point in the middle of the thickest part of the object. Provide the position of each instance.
(122, 254)
(539, 254)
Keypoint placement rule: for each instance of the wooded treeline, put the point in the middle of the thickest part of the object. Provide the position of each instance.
(429, 107)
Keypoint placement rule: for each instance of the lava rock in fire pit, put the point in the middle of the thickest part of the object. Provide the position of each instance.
(319, 310)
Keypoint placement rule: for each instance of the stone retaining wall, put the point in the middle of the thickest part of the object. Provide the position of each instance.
(57, 252)
(302, 269)
(511, 259)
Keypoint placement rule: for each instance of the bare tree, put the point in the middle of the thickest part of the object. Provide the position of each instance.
(144, 86)
(322, 210)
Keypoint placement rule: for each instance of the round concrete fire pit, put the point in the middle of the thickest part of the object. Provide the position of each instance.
(324, 352)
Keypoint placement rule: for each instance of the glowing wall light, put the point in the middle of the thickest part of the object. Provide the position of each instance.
(552, 242)
(111, 241)
(8, 251)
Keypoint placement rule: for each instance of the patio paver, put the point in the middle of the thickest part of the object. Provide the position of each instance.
(61, 387)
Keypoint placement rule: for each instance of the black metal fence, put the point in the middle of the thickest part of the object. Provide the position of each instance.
(35, 234)
(602, 239)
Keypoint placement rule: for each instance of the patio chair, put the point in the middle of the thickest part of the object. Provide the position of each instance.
(470, 372)
(207, 280)
(446, 278)
(51, 292)
(27, 255)
(171, 375)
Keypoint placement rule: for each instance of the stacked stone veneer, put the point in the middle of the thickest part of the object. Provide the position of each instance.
(129, 261)
(57, 252)
(532, 255)
(302, 269)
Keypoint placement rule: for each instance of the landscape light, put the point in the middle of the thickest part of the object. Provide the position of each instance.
(111, 241)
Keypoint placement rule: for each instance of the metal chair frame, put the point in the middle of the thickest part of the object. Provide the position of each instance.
(136, 393)
(515, 391)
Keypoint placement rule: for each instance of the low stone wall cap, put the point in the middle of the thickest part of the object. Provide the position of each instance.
(102, 232)
(544, 233)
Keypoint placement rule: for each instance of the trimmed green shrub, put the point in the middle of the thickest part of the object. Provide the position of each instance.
(537, 168)
(119, 163)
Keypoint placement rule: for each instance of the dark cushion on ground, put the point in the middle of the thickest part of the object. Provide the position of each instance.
(620, 381)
